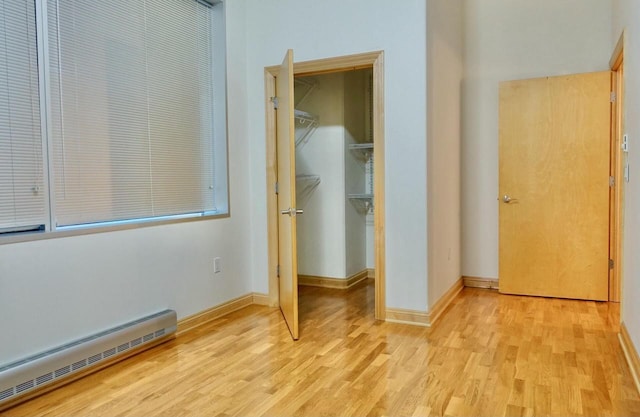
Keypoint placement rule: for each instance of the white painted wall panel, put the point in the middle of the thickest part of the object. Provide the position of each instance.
(331, 233)
(354, 124)
(321, 230)
(444, 75)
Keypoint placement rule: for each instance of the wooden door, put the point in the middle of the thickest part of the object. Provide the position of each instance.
(554, 186)
(286, 151)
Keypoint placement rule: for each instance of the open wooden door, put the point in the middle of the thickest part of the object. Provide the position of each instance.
(286, 151)
(554, 186)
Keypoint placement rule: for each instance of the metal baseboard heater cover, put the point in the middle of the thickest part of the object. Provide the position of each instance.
(19, 378)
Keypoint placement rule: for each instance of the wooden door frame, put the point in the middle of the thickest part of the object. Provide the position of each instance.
(616, 170)
(375, 61)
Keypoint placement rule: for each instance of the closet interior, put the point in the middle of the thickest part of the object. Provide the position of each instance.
(334, 177)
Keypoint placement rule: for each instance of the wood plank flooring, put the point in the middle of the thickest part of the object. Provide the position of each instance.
(490, 354)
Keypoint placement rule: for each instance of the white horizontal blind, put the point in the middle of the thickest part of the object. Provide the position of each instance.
(131, 103)
(22, 202)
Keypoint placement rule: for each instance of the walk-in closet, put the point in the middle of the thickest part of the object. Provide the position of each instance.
(334, 178)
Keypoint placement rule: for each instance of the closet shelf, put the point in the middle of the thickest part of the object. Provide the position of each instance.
(364, 201)
(366, 145)
(305, 185)
(364, 150)
(361, 196)
(306, 124)
(310, 85)
(304, 116)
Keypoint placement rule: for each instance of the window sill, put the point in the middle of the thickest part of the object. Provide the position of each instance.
(33, 236)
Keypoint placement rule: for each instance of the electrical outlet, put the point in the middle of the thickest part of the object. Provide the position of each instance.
(216, 265)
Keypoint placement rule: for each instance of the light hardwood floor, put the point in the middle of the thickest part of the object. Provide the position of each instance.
(489, 354)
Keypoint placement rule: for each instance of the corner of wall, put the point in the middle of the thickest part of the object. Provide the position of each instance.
(444, 77)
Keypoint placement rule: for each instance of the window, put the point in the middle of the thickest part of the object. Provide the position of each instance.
(136, 124)
(22, 199)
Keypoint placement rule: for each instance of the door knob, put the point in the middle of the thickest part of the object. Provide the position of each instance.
(292, 211)
(506, 199)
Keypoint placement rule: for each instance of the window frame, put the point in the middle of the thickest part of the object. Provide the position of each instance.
(220, 140)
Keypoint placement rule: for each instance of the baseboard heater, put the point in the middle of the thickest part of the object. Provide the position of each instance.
(33, 375)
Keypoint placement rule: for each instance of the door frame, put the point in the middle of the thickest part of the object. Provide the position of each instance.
(617, 161)
(375, 61)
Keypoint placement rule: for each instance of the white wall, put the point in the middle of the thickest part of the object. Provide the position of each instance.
(354, 132)
(331, 233)
(444, 76)
(321, 230)
(510, 40)
(56, 290)
(331, 28)
(627, 16)
(370, 242)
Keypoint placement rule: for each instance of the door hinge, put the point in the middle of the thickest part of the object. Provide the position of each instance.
(613, 96)
(278, 271)
(610, 263)
(612, 181)
(276, 102)
(277, 187)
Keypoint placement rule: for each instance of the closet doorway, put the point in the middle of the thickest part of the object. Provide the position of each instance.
(359, 197)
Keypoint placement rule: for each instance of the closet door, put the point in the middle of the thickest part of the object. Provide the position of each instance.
(286, 151)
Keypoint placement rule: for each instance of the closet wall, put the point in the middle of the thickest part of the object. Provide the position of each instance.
(331, 236)
(355, 131)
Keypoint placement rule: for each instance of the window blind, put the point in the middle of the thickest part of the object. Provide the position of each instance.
(22, 203)
(132, 109)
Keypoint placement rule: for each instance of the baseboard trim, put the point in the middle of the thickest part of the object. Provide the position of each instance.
(261, 299)
(213, 313)
(371, 273)
(478, 282)
(630, 354)
(426, 319)
(403, 316)
(445, 301)
(337, 283)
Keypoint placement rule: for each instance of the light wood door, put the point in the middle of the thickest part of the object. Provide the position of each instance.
(286, 151)
(554, 186)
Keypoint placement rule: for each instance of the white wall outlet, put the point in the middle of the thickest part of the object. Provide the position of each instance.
(216, 265)
(625, 143)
